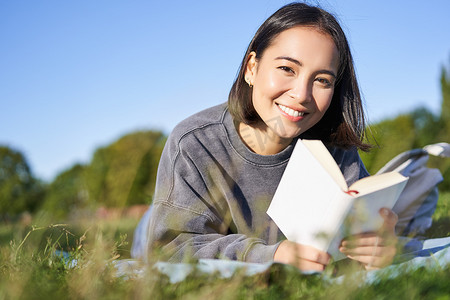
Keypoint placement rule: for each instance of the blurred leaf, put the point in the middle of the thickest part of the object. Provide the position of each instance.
(19, 190)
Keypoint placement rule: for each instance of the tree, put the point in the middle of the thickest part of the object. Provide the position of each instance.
(392, 136)
(19, 190)
(426, 126)
(445, 88)
(444, 121)
(67, 192)
(124, 172)
(142, 188)
(414, 130)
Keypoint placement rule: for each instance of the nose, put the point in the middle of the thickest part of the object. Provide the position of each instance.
(301, 90)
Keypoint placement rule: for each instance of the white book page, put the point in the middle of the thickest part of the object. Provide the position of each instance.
(374, 183)
(365, 211)
(307, 203)
(321, 153)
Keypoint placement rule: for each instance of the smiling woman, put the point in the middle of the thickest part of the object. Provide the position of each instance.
(220, 167)
(293, 81)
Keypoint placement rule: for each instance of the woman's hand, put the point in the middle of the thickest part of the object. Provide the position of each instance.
(374, 250)
(306, 258)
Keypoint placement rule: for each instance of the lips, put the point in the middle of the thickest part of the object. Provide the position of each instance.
(290, 112)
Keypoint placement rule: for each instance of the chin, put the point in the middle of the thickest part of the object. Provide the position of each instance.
(289, 135)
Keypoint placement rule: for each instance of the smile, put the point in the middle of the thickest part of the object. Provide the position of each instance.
(290, 111)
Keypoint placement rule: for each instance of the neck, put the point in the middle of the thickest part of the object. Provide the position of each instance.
(261, 139)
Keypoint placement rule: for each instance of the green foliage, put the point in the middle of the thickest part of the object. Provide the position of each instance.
(413, 130)
(441, 218)
(96, 174)
(393, 137)
(19, 190)
(66, 192)
(124, 173)
(445, 88)
(120, 174)
(31, 267)
(444, 122)
(405, 132)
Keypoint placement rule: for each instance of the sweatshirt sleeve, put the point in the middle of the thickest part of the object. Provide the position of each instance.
(190, 218)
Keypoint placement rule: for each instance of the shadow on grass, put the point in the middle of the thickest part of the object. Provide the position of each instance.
(440, 228)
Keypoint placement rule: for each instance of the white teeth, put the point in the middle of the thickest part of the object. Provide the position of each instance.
(290, 111)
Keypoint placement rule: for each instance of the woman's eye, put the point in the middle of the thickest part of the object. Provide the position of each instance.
(286, 69)
(324, 82)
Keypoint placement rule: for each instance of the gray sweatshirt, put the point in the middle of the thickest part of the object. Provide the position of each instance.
(212, 192)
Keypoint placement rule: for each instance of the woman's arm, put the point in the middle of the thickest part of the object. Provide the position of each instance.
(179, 234)
(197, 213)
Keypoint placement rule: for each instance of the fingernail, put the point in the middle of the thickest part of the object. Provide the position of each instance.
(385, 211)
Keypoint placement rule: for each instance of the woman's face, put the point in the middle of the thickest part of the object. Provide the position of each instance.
(293, 82)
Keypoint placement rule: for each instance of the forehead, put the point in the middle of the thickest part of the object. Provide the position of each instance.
(304, 42)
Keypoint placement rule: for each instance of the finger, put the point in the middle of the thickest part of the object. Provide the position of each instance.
(361, 251)
(370, 251)
(306, 265)
(371, 262)
(366, 241)
(390, 220)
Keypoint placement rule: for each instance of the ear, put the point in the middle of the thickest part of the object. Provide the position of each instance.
(250, 68)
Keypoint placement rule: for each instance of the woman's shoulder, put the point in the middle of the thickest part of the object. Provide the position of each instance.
(203, 119)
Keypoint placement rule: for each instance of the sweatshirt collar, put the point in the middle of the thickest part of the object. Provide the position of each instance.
(238, 145)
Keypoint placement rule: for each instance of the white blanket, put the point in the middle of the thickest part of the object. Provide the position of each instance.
(435, 254)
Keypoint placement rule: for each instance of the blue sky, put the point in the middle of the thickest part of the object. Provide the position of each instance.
(76, 75)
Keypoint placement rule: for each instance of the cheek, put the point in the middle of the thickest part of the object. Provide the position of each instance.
(323, 100)
(270, 84)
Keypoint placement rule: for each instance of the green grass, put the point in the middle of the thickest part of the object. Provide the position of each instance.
(29, 269)
(441, 218)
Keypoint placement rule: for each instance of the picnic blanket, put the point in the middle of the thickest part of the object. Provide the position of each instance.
(433, 254)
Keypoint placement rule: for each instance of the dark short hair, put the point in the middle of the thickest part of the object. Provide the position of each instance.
(343, 124)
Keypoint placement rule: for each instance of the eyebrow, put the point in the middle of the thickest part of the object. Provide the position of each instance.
(299, 63)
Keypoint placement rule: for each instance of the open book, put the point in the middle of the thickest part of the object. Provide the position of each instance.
(314, 206)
